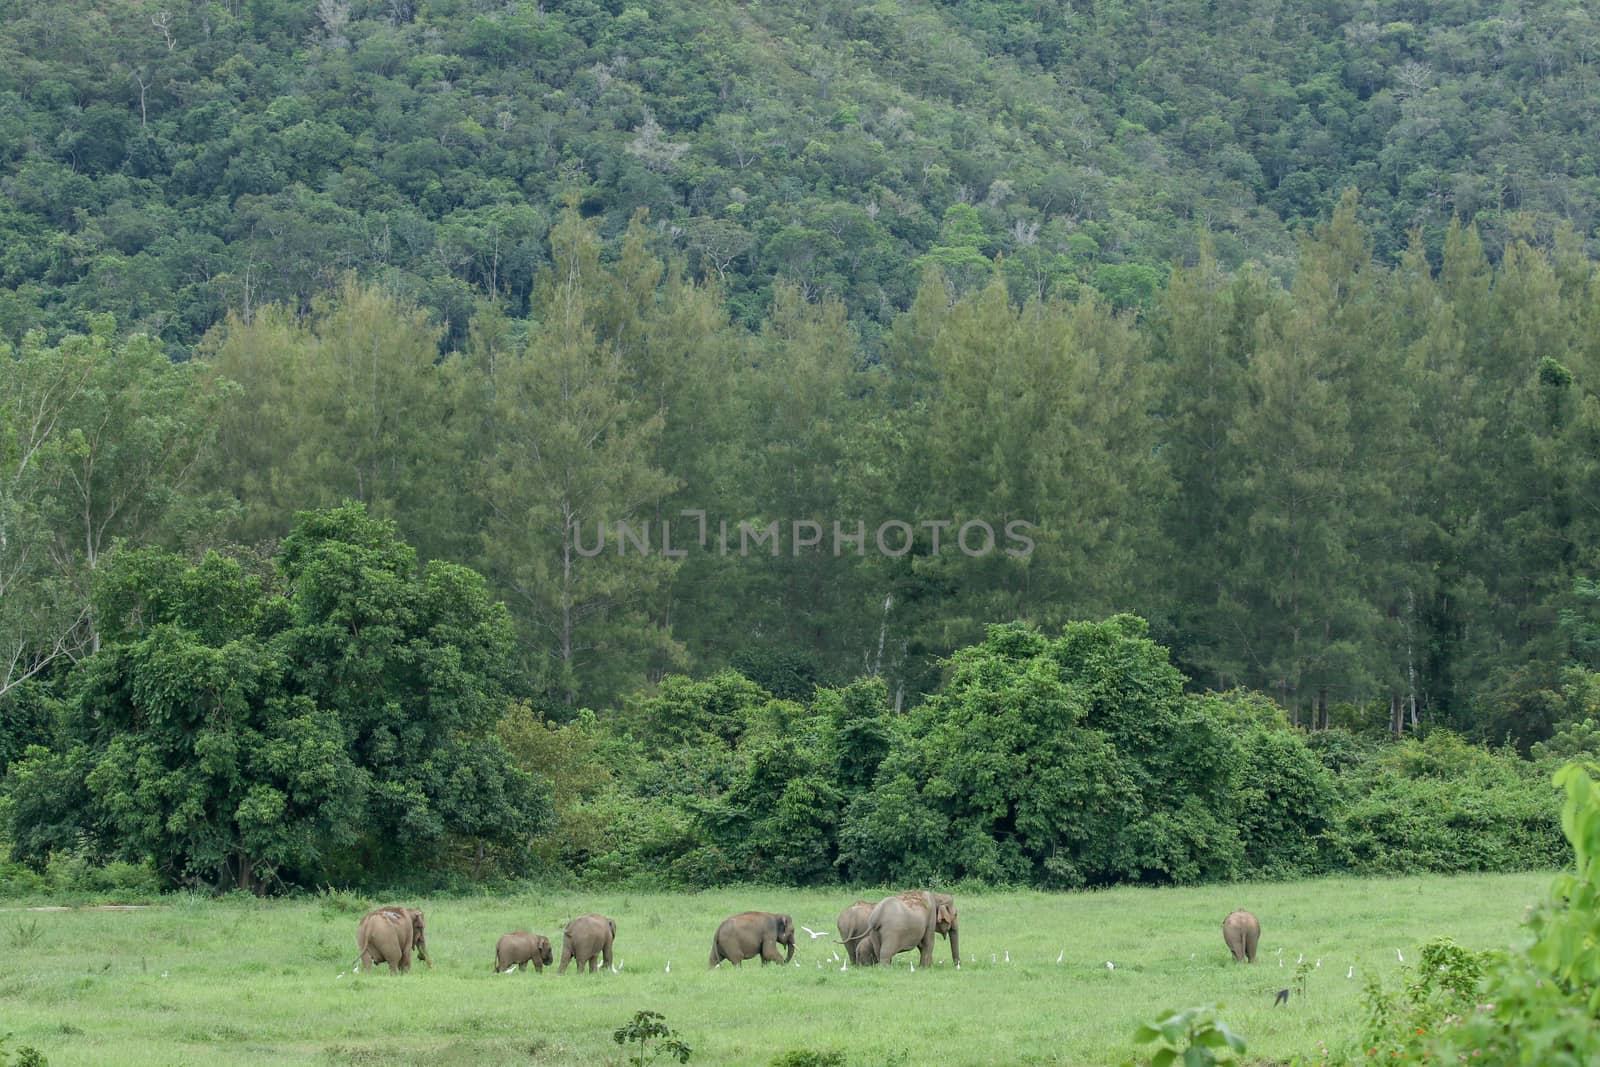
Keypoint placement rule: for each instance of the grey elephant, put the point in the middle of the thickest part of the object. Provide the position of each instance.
(586, 939)
(520, 949)
(853, 925)
(389, 935)
(906, 921)
(1241, 931)
(750, 934)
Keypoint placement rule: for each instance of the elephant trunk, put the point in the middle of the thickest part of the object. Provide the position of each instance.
(789, 955)
(955, 944)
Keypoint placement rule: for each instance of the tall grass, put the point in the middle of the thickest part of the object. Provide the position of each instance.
(247, 981)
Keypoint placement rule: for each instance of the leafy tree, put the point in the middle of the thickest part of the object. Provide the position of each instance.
(1062, 761)
(327, 720)
(569, 465)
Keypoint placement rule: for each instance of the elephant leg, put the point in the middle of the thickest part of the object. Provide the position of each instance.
(925, 951)
(769, 952)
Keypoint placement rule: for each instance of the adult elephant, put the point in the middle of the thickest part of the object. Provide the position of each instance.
(852, 925)
(906, 921)
(750, 934)
(586, 939)
(520, 949)
(1241, 931)
(389, 935)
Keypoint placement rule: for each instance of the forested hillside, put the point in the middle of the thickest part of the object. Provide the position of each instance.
(506, 421)
(167, 162)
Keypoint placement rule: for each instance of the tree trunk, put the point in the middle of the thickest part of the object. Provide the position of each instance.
(1397, 721)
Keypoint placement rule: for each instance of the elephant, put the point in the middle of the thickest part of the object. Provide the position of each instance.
(389, 935)
(586, 938)
(853, 925)
(750, 934)
(1241, 931)
(520, 949)
(909, 920)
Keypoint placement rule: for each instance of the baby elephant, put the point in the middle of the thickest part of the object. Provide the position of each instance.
(750, 934)
(520, 949)
(1241, 931)
(585, 939)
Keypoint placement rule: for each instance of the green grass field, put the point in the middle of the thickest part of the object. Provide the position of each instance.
(240, 981)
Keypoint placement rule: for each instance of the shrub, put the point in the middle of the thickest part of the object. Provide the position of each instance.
(803, 1057)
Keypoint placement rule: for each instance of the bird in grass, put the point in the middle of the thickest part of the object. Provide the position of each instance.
(509, 969)
(1110, 966)
(1401, 957)
(1319, 963)
(1008, 955)
(1281, 998)
(836, 956)
(1063, 953)
(1351, 973)
(669, 967)
(1301, 960)
(814, 933)
(845, 966)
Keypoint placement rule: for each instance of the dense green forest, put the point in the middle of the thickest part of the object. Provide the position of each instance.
(168, 162)
(790, 441)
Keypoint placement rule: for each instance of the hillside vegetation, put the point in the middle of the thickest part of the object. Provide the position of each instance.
(168, 162)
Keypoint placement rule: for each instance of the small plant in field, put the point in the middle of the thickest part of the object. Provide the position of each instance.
(24, 934)
(804, 1057)
(645, 1027)
(26, 1056)
(1196, 1037)
(1302, 972)
(337, 902)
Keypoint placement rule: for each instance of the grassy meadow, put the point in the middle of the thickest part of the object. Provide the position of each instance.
(198, 981)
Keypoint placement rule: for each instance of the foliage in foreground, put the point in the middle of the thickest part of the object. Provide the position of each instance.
(1195, 1036)
(1534, 1006)
(647, 1026)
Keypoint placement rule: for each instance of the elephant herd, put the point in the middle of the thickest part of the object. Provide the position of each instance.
(390, 934)
(871, 933)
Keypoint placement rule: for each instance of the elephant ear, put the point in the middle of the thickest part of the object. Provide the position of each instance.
(945, 918)
(785, 925)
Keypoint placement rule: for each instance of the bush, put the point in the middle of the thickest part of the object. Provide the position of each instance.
(1444, 805)
(802, 1057)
